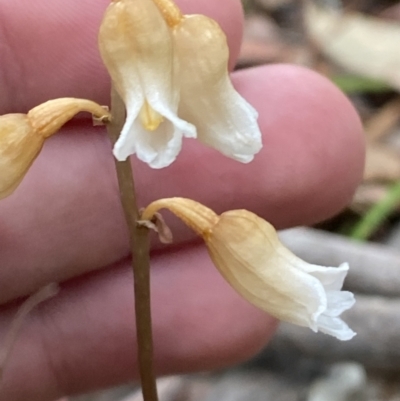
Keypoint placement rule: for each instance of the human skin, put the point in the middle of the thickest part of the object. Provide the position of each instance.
(65, 223)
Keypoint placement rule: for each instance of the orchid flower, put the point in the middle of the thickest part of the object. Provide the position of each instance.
(171, 71)
(249, 255)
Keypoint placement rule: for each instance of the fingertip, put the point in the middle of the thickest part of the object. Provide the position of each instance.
(313, 142)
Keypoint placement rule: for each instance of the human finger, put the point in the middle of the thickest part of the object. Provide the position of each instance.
(84, 338)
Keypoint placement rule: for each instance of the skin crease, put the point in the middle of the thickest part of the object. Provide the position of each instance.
(64, 223)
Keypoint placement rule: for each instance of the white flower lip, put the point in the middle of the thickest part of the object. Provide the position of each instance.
(174, 82)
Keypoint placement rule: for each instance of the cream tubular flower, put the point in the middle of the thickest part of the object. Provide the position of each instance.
(137, 49)
(248, 253)
(224, 119)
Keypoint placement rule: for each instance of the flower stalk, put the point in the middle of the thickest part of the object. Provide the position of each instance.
(140, 248)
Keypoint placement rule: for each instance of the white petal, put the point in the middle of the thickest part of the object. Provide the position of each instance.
(169, 112)
(223, 118)
(338, 302)
(335, 327)
(126, 143)
(332, 278)
(157, 148)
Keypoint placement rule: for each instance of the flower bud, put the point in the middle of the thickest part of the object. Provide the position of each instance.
(19, 146)
(22, 135)
(248, 253)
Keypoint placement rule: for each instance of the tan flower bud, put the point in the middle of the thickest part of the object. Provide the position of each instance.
(19, 146)
(22, 135)
(248, 253)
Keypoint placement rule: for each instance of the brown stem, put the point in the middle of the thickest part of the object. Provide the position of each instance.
(140, 247)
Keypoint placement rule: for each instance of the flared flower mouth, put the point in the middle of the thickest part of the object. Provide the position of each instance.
(155, 136)
(248, 253)
(328, 321)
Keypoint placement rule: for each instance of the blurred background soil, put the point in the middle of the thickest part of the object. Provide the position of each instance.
(356, 44)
